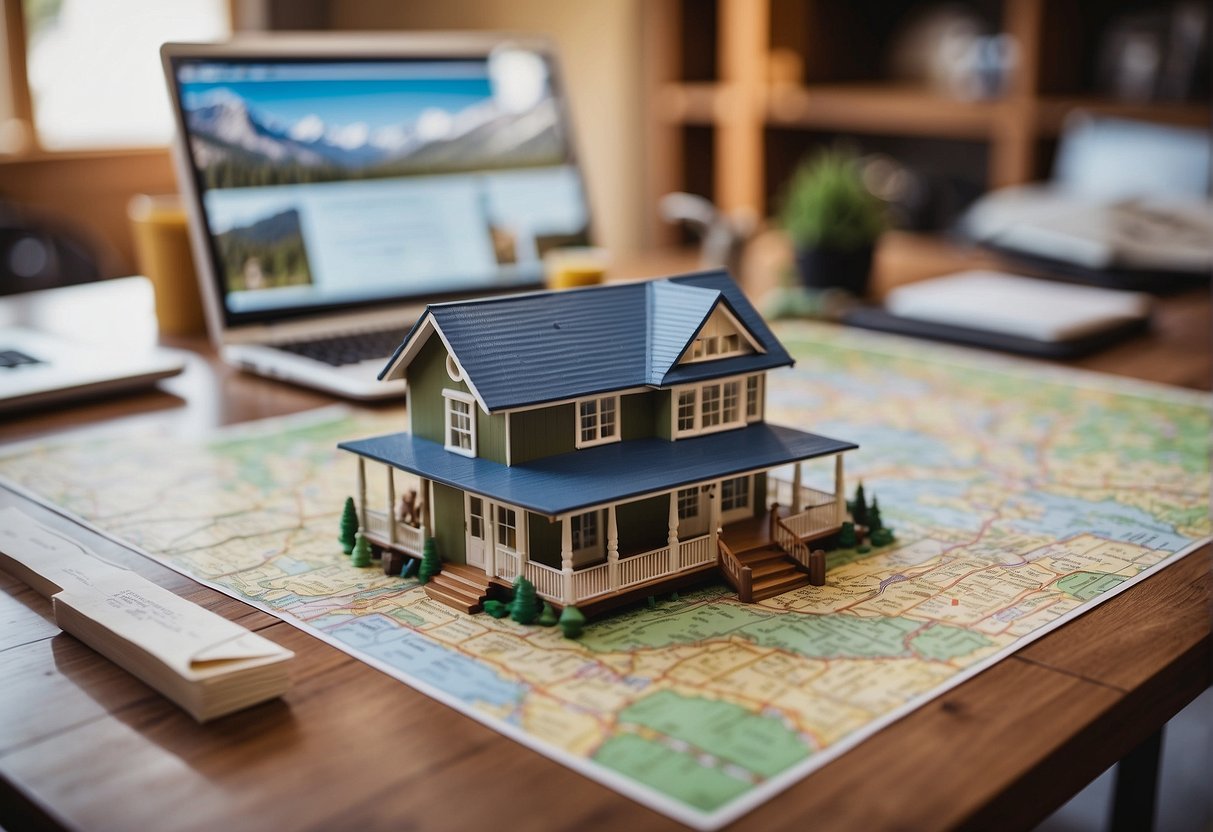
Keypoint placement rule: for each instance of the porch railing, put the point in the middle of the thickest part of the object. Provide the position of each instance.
(597, 580)
(735, 572)
(639, 568)
(547, 580)
(408, 538)
(695, 551)
(507, 564)
(789, 541)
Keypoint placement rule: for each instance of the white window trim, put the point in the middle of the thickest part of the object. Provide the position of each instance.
(460, 396)
(453, 370)
(601, 440)
(761, 393)
(699, 429)
(739, 512)
(521, 519)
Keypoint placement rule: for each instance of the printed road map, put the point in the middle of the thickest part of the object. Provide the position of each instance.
(1020, 496)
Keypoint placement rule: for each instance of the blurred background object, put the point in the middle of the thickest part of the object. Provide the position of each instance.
(568, 268)
(833, 220)
(162, 248)
(39, 252)
(722, 238)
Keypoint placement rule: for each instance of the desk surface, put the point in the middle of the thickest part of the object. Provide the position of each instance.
(83, 744)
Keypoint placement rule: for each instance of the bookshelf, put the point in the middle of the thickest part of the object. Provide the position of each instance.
(739, 90)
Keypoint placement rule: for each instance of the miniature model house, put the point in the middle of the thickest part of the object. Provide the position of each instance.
(608, 443)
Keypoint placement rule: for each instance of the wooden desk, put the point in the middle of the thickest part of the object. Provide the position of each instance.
(83, 744)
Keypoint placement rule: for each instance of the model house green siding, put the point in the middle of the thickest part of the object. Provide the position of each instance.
(636, 414)
(448, 523)
(427, 378)
(544, 431)
(643, 524)
(662, 416)
(544, 540)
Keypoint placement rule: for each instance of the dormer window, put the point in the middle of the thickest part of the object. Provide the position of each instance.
(721, 336)
(709, 407)
(597, 421)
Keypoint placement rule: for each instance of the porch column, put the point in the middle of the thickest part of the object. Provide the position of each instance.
(612, 548)
(362, 493)
(673, 531)
(714, 513)
(523, 540)
(796, 502)
(840, 490)
(490, 536)
(566, 557)
(426, 530)
(391, 504)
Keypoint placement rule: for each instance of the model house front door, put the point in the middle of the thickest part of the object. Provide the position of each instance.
(477, 531)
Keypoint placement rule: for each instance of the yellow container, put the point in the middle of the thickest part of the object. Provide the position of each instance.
(162, 247)
(566, 268)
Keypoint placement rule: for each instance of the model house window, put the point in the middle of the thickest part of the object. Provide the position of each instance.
(476, 517)
(729, 408)
(597, 421)
(753, 398)
(735, 494)
(460, 423)
(585, 531)
(686, 411)
(709, 406)
(688, 503)
(507, 528)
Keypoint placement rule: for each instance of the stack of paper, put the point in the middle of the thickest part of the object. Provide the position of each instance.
(206, 664)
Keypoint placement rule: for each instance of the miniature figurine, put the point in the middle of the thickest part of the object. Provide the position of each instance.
(606, 444)
(361, 554)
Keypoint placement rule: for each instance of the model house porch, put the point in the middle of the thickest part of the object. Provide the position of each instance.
(636, 524)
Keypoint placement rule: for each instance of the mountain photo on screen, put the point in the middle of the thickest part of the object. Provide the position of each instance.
(249, 133)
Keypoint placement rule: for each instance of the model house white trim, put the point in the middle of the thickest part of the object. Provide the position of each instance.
(459, 418)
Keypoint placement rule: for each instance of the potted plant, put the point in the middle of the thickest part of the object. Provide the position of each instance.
(833, 221)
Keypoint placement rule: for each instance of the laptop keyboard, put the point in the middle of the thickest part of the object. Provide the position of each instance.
(339, 350)
(10, 359)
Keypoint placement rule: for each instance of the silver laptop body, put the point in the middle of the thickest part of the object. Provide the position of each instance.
(335, 185)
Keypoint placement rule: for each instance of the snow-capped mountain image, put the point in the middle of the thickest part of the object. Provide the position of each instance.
(238, 146)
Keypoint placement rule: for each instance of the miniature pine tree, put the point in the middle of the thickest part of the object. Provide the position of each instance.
(431, 563)
(349, 526)
(547, 618)
(572, 622)
(846, 536)
(525, 607)
(362, 551)
(859, 513)
(496, 608)
(874, 521)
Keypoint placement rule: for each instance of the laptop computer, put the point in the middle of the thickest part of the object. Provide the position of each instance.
(336, 185)
(54, 348)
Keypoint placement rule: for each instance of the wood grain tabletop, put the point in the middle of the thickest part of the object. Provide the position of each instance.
(85, 745)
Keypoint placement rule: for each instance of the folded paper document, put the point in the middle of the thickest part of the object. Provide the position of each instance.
(208, 665)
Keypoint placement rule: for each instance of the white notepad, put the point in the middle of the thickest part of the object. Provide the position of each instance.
(1022, 306)
(208, 665)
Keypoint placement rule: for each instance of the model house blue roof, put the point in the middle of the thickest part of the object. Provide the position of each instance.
(591, 477)
(521, 350)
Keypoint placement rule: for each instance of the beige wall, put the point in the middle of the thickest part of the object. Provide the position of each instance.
(600, 50)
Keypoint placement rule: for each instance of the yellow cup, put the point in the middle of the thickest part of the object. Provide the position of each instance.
(566, 268)
(162, 246)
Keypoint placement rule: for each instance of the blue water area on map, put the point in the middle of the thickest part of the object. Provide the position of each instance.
(412, 653)
(291, 566)
(1065, 517)
(910, 500)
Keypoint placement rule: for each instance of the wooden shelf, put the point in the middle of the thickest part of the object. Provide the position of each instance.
(881, 109)
(1053, 110)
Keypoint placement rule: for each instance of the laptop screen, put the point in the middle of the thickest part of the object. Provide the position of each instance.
(328, 184)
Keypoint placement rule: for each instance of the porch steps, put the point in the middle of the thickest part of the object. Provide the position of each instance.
(773, 572)
(459, 587)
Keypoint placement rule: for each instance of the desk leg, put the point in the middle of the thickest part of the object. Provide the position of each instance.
(1137, 787)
